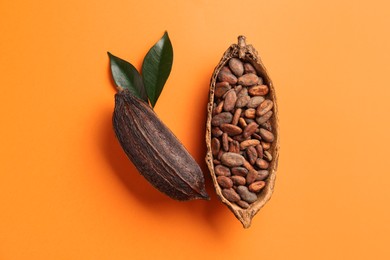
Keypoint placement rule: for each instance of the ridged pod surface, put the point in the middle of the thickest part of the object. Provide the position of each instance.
(155, 151)
(244, 167)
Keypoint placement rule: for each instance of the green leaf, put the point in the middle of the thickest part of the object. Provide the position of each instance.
(125, 75)
(156, 67)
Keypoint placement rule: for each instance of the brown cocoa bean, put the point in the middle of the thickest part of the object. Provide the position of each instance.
(230, 100)
(239, 171)
(264, 107)
(225, 142)
(238, 180)
(250, 129)
(267, 125)
(242, 122)
(259, 150)
(255, 101)
(216, 131)
(230, 129)
(248, 166)
(256, 136)
(262, 164)
(221, 88)
(248, 68)
(262, 119)
(258, 90)
(256, 186)
(232, 159)
(243, 92)
(248, 79)
(237, 88)
(215, 146)
(266, 135)
(251, 142)
(265, 145)
(243, 204)
(251, 177)
(246, 195)
(224, 117)
(250, 113)
(225, 182)
(219, 107)
(251, 154)
(216, 162)
(231, 195)
(236, 66)
(221, 170)
(236, 116)
(262, 175)
(242, 101)
(227, 77)
(234, 147)
(267, 156)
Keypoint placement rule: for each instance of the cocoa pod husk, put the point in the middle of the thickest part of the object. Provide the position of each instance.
(155, 151)
(253, 64)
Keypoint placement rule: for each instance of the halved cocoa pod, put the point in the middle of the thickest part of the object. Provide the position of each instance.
(260, 111)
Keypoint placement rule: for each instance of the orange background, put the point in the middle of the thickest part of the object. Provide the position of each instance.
(67, 191)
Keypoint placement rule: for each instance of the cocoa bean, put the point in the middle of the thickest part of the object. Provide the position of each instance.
(264, 107)
(251, 177)
(242, 122)
(246, 195)
(250, 129)
(230, 100)
(258, 90)
(215, 146)
(231, 195)
(259, 150)
(251, 154)
(230, 129)
(265, 145)
(238, 180)
(225, 182)
(243, 204)
(250, 113)
(224, 117)
(262, 164)
(243, 92)
(255, 102)
(262, 175)
(225, 142)
(221, 170)
(236, 66)
(232, 159)
(216, 131)
(248, 79)
(236, 116)
(262, 119)
(227, 77)
(248, 68)
(251, 142)
(266, 135)
(239, 171)
(267, 156)
(242, 101)
(256, 186)
(221, 88)
(218, 109)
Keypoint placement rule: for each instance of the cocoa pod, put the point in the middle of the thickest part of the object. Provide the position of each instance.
(252, 87)
(155, 151)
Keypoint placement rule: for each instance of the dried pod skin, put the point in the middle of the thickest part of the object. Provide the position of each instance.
(155, 151)
(255, 112)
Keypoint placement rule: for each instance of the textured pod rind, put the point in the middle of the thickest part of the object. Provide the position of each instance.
(248, 54)
(155, 151)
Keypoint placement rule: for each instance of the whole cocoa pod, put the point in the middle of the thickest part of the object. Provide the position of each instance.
(155, 151)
